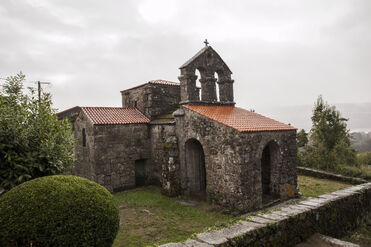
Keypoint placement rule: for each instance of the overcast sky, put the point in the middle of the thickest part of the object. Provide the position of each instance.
(281, 53)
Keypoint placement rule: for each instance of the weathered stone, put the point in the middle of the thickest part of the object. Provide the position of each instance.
(328, 175)
(334, 218)
(274, 216)
(194, 243)
(220, 237)
(262, 220)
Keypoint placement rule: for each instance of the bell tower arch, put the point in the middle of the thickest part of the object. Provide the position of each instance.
(208, 62)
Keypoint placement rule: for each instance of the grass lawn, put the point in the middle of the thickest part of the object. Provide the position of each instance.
(310, 186)
(149, 218)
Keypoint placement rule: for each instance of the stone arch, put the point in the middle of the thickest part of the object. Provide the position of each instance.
(195, 167)
(269, 163)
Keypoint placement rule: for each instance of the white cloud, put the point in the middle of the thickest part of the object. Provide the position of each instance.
(158, 11)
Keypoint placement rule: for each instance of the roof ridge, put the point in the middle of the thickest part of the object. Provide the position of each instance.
(110, 107)
(152, 82)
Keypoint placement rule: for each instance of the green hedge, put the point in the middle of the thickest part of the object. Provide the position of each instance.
(58, 210)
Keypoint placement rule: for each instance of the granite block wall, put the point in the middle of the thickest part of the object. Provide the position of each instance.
(165, 157)
(117, 148)
(84, 165)
(232, 161)
(153, 100)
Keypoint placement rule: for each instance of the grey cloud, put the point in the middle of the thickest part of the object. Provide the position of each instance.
(281, 54)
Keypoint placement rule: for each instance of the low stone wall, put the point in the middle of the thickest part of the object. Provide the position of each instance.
(327, 175)
(331, 214)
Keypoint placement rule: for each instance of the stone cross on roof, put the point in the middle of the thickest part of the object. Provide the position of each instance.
(206, 42)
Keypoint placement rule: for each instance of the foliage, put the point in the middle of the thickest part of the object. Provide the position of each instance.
(362, 171)
(302, 138)
(364, 158)
(329, 141)
(59, 210)
(33, 142)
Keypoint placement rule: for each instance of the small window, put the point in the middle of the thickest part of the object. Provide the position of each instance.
(135, 103)
(83, 138)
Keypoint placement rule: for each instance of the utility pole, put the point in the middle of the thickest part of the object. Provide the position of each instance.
(39, 87)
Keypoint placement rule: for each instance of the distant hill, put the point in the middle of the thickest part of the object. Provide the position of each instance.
(361, 141)
(299, 116)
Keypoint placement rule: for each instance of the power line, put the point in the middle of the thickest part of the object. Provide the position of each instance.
(39, 83)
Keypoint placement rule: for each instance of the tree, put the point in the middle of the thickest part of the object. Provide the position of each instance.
(330, 145)
(33, 142)
(302, 138)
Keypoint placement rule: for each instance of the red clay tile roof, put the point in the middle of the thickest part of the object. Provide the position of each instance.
(114, 115)
(239, 119)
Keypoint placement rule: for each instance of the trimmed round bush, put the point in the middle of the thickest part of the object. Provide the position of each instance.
(58, 210)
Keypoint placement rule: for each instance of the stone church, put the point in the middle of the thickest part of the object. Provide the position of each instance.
(187, 139)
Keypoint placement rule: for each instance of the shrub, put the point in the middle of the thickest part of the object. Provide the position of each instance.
(59, 210)
(364, 158)
(350, 171)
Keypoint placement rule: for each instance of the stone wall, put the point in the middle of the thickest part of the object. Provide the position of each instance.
(152, 99)
(165, 156)
(331, 214)
(327, 175)
(250, 146)
(232, 161)
(84, 154)
(117, 147)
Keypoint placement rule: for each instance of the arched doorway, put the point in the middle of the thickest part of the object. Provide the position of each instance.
(269, 161)
(195, 165)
